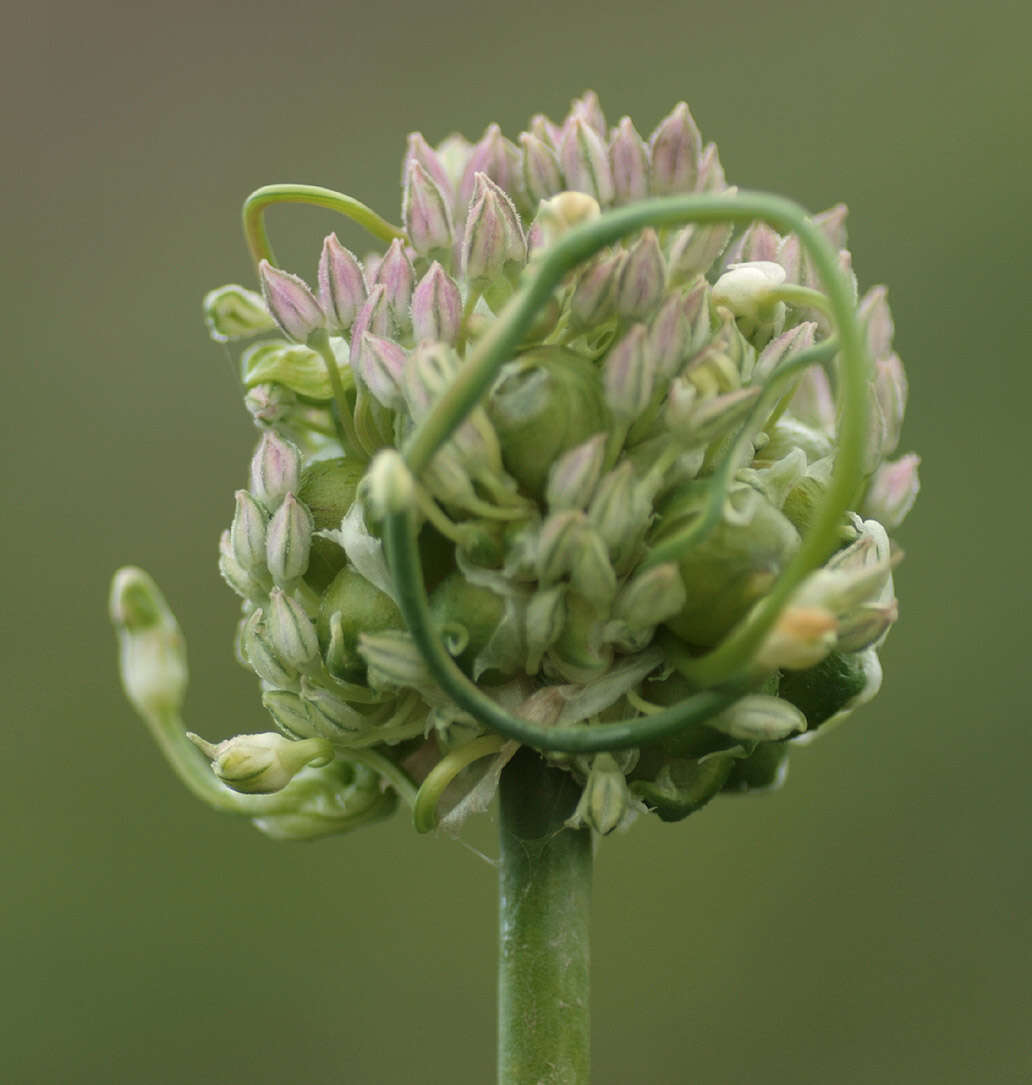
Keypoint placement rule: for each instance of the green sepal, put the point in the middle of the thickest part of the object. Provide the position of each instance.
(822, 691)
(763, 770)
(681, 787)
(293, 365)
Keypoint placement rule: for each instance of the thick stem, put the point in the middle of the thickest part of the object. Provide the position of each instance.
(544, 914)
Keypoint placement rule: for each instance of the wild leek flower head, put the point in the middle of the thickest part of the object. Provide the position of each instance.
(595, 455)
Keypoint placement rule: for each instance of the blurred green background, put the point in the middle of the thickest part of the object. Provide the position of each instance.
(870, 923)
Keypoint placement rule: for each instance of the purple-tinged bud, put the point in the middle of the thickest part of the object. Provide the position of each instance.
(574, 476)
(380, 363)
(585, 161)
(711, 172)
(670, 337)
(542, 625)
(876, 318)
(291, 631)
(546, 130)
(641, 281)
(493, 156)
(342, 286)
(557, 544)
(780, 350)
(375, 316)
(592, 298)
(651, 597)
(420, 152)
(759, 242)
(628, 375)
(234, 312)
(247, 533)
(397, 276)
(436, 307)
(890, 389)
(833, 224)
(540, 168)
(291, 302)
(275, 469)
(268, 404)
(629, 161)
(288, 541)
(261, 654)
(695, 250)
(589, 108)
(893, 491)
(790, 256)
(452, 153)
(813, 402)
(494, 241)
(426, 214)
(674, 151)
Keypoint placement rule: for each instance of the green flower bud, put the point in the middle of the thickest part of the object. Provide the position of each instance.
(760, 718)
(262, 655)
(558, 542)
(605, 799)
(650, 597)
(629, 162)
(289, 713)
(288, 541)
(275, 470)
(354, 606)
(234, 574)
(292, 365)
(578, 655)
(262, 764)
(331, 715)
(291, 630)
(247, 533)
(544, 619)
(591, 572)
(621, 512)
(152, 652)
(393, 661)
(291, 302)
(388, 485)
(233, 312)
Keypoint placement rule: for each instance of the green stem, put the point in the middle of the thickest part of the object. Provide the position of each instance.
(544, 915)
(344, 417)
(255, 206)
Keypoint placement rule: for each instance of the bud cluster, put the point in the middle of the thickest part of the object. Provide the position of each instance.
(598, 444)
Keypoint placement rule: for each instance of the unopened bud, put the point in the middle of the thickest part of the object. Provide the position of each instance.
(288, 541)
(813, 402)
(748, 289)
(375, 316)
(381, 364)
(605, 800)
(585, 161)
(289, 713)
(275, 469)
(544, 622)
(540, 167)
(291, 631)
(152, 653)
(262, 764)
(420, 152)
(557, 545)
(393, 660)
(234, 312)
(330, 714)
(591, 571)
(697, 421)
(695, 250)
(642, 277)
(291, 302)
(801, 638)
(563, 213)
(425, 210)
(247, 533)
(628, 375)
(621, 513)
(233, 573)
(876, 317)
(261, 653)
(390, 488)
(436, 307)
(397, 277)
(674, 152)
(893, 491)
(760, 718)
(592, 298)
(429, 371)
(342, 286)
(629, 161)
(589, 107)
(496, 158)
(711, 172)
(669, 338)
(890, 389)
(494, 243)
(785, 347)
(574, 476)
(651, 597)
(865, 626)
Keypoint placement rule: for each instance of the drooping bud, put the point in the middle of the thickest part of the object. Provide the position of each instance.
(152, 653)
(496, 158)
(262, 764)
(397, 277)
(585, 161)
(425, 211)
(291, 302)
(629, 373)
(629, 161)
(605, 800)
(291, 630)
(650, 597)
(641, 281)
(893, 491)
(419, 151)
(760, 718)
(342, 286)
(275, 469)
(234, 312)
(261, 654)
(288, 541)
(436, 307)
(747, 289)
(801, 638)
(674, 153)
(592, 298)
(381, 365)
(540, 169)
(247, 533)
(494, 243)
(574, 476)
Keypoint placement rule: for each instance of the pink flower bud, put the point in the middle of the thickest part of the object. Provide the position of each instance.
(419, 151)
(381, 363)
(540, 169)
(425, 210)
(628, 375)
(375, 316)
(342, 287)
(397, 277)
(275, 469)
(833, 224)
(291, 302)
(629, 161)
(641, 281)
(592, 298)
(813, 402)
(674, 150)
(785, 346)
(494, 237)
(711, 172)
(288, 540)
(587, 106)
(893, 491)
(585, 161)
(493, 156)
(876, 317)
(574, 476)
(695, 250)
(436, 307)
(890, 389)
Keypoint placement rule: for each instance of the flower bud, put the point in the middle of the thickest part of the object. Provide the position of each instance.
(262, 764)
(494, 243)
(893, 491)
(557, 545)
(760, 718)
(650, 597)
(275, 469)
(389, 486)
(436, 307)
(805, 496)
(670, 338)
(544, 622)
(605, 800)
(234, 574)
(375, 316)
(865, 625)
(540, 169)
(801, 638)
(421, 153)
(696, 421)
(561, 214)
(342, 286)
(289, 713)
(674, 153)
(629, 162)
(247, 533)
(585, 161)
(331, 715)
(496, 158)
(876, 317)
(833, 224)
(380, 363)
(780, 350)
(629, 373)
(591, 572)
(695, 250)
(393, 660)
(291, 303)
(291, 630)
(589, 108)
(574, 476)
(747, 289)
(397, 277)
(261, 653)
(288, 541)
(152, 653)
(621, 512)
(711, 172)
(813, 401)
(426, 214)
(269, 404)
(642, 277)
(890, 390)
(234, 312)
(592, 299)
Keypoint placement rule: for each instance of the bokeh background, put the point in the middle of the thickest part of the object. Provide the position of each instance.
(871, 923)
